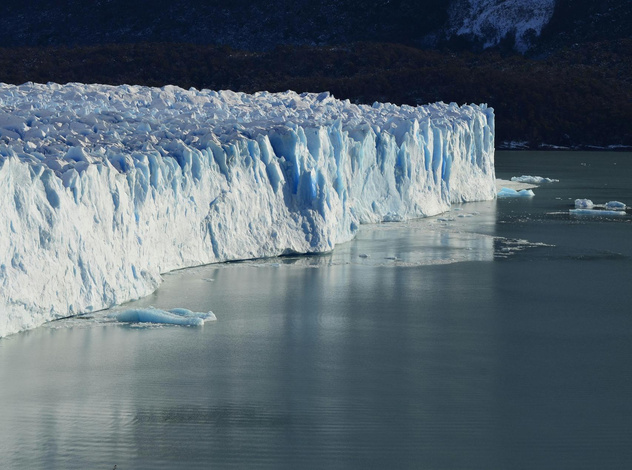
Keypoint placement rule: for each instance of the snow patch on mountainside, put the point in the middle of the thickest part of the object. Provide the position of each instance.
(492, 20)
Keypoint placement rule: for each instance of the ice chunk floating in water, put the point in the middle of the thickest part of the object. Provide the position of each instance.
(598, 212)
(104, 188)
(609, 209)
(508, 192)
(615, 206)
(611, 205)
(176, 316)
(533, 179)
(584, 204)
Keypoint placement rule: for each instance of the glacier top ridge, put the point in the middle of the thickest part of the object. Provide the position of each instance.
(62, 126)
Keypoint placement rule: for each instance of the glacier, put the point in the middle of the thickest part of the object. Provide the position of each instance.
(103, 188)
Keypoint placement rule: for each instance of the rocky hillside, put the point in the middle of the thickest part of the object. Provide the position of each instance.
(558, 72)
(523, 25)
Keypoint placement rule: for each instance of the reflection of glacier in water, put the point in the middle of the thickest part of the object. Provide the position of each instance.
(418, 243)
(463, 234)
(466, 234)
(512, 362)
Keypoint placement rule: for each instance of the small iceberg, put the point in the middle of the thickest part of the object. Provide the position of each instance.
(175, 316)
(533, 179)
(584, 204)
(609, 209)
(508, 192)
(615, 206)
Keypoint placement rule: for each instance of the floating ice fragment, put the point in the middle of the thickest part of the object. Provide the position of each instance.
(176, 316)
(533, 179)
(615, 205)
(508, 192)
(611, 205)
(598, 212)
(584, 204)
(587, 207)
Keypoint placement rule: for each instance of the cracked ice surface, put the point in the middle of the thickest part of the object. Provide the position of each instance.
(104, 188)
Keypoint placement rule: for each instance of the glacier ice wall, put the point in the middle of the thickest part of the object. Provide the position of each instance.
(104, 188)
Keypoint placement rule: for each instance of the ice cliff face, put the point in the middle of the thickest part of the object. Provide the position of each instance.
(492, 20)
(103, 188)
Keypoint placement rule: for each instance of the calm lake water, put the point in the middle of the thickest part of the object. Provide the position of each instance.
(496, 336)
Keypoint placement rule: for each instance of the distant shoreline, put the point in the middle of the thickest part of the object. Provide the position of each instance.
(508, 147)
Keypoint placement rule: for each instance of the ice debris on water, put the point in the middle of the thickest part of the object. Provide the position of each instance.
(598, 212)
(508, 192)
(505, 247)
(587, 207)
(533, 179)
(611, 205)
(615, 206)
(104, 188)
(175, 316)
(584, 204)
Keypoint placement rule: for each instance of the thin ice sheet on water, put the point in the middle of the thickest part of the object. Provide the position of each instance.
(597, 212)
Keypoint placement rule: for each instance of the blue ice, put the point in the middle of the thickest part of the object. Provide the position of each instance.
(176, 316)
(508, 192)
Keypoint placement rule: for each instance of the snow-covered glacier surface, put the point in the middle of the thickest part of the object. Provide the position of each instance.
(104, 188)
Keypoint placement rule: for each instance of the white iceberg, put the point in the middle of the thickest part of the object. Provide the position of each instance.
(587, 207)
(584, 204)
(533, 179)
(611, 205)
(104, 188)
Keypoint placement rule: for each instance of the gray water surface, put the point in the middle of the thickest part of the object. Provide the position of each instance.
(496, 336)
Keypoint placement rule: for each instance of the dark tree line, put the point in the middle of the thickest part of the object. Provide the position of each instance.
(579, 96)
